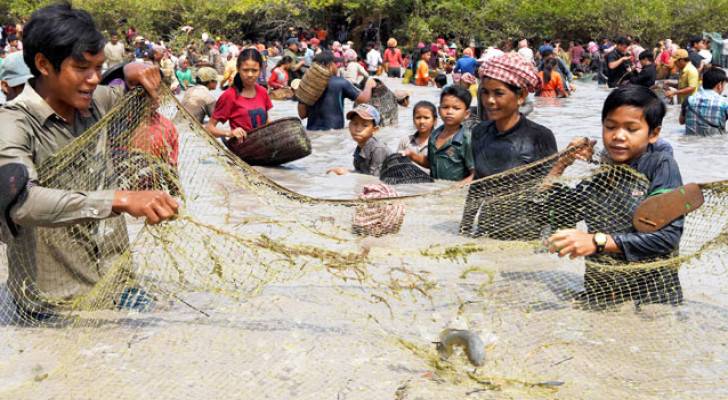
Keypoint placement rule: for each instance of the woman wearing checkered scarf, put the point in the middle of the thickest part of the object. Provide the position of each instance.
(506, 139)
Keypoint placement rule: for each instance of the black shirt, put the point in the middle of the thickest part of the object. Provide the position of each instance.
(495, 152)
(646, 77)
(615, 74)
(695, 58)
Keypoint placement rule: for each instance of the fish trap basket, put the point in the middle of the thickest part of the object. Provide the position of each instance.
(400, 170)
(277, 143)
(386, 102)
(313, 84)
(284, 93)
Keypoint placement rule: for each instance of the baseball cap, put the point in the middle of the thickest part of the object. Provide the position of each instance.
(680, 54)
(14, 71)
(292, 41)
(365, 111)
(206, 74)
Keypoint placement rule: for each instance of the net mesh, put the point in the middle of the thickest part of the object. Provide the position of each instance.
(258, 291)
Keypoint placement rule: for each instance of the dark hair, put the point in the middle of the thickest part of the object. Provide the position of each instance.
(653, 109)
(58, 32)
(547, 53)
(324, 58)
(284, 60)
(425, 104)
(548, 68)
(440, 80)
(713, 76)
(646, 55)
(456, 91)
(245, 55)
(622, 41)
(694, 39)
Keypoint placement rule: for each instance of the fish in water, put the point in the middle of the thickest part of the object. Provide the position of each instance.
(469, 341)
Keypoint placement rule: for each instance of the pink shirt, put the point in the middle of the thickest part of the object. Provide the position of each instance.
(393, 57)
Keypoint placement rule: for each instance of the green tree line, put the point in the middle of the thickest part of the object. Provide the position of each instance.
(408, 20)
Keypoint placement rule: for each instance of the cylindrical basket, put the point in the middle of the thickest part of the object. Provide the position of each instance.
(313, 84)
(277, 143)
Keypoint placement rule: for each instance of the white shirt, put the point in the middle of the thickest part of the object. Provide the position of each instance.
(373, 59)
(526, 53)
(354, 72)
(707, 55)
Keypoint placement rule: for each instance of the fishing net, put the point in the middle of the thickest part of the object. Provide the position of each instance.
(256, 291)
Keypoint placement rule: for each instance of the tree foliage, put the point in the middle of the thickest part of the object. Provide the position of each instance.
(408, 20)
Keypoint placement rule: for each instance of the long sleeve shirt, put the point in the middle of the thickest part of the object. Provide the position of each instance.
(67, 235)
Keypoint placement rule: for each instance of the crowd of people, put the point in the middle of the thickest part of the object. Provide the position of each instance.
(52, 76)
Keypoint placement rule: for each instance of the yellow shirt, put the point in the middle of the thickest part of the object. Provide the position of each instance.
(688, 77)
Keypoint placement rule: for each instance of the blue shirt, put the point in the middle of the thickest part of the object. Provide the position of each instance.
(705, 113)
(466, 64)
(328, 111)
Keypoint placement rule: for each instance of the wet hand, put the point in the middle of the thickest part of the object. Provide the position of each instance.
(147, 76)
(580, 148)
(237, 133)
(407, 153)
(155, 206)
(338, 171)
(571, 242)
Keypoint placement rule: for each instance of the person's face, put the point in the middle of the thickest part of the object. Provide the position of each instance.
(114, 39)
(212, 85)
(75, 82)
(185, 64)
(361, 129)
(427, 56)
(681, 63)
(293, 47)
(11, 92)
(249, 71)
(644, 62)
(499, 101)
(626, 134)
(424, 120)
(453, 111)
(622, 48)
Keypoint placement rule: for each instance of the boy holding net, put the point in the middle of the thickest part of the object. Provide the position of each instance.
(631, 123)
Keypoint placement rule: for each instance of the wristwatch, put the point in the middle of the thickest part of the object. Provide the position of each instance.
(600, 240)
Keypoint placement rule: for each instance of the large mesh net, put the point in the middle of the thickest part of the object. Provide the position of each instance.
(256, 291)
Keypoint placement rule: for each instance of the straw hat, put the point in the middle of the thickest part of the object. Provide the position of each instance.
(392, 42)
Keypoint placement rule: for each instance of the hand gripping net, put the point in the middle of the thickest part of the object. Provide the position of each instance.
(255, 291)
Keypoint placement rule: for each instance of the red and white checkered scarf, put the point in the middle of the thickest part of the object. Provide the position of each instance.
(512, 69)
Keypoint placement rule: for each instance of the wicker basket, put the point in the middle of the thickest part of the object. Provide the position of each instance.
(313, 84)
(400, 170)
(284, 93)
(385, 101)
(277, 143)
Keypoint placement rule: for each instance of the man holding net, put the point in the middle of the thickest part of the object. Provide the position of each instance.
(63, 240)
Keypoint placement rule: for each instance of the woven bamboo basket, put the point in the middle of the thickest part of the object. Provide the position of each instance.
(313, 84)
(284, 93)
(400, 170)
(277, 143)
(385, 101)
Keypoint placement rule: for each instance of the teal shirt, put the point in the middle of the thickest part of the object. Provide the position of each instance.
(454, 160)
(185, 78)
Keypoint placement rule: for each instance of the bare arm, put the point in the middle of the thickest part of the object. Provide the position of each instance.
(617, 63)
(302, 111)
(366, 94)
(211, 127)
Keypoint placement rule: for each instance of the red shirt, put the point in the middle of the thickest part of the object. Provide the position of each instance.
(393, 57)
(243, 112)
(159, 138)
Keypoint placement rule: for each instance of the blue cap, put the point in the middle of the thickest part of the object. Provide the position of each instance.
(14, 71)
(366, 111)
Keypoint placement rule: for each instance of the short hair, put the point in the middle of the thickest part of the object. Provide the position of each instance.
(713, 76)
(547, 53)
(694, 39)
(653, 109)
(440, 80)
(459, 92)
(646, 55)
(324, 58)
(427, 105)
(58, 32)
(622, 41)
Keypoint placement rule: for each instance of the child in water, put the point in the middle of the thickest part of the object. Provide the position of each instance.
(425, 117)
(422, 74)
(370, 153)
(449, 152)
(631, 123)
(279, 76)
